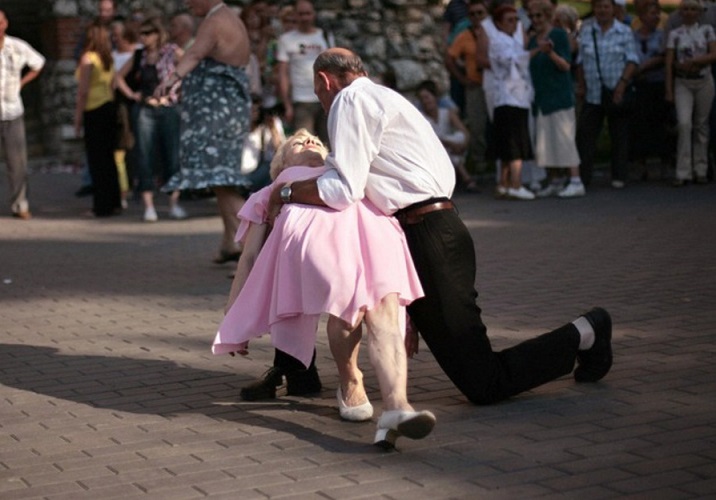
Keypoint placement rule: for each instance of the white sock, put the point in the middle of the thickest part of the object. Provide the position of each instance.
(575, 180)
(586, 333)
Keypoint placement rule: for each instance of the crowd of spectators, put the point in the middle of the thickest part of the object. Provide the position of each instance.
(549, 80)
(145, 48)
(529, 85)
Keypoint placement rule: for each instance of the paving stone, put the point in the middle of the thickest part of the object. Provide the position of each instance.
(108, 387)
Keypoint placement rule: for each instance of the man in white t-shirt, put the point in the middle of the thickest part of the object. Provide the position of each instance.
(15, 56)
(297, 50)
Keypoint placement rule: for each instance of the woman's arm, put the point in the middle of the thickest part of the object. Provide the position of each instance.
(560, 51)
(483, 50)
(706, 59)
(120, 81)
(204, 43)
(255, 237)
(83, 83)
(651, 63)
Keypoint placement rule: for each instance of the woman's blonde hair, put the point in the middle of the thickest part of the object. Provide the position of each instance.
(545, 7)
(277, 163)
(568, 16)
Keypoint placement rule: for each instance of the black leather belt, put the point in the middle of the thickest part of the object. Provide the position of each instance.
(414, 213)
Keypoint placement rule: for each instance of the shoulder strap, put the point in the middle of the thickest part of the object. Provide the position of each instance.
(596, 54)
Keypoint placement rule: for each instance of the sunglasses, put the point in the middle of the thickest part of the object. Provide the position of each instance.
(147, 33)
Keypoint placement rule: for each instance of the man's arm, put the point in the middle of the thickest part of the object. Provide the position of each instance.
(305, 192)
(34, 62)
(29, 76)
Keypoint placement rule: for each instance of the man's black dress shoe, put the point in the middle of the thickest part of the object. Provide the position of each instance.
(300, 382)
(594, 363)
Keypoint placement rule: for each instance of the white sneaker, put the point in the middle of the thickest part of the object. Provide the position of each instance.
(178, 213)
(550, 190)
(150, 215)
(617, 184)
(520, 194)
(573, 190)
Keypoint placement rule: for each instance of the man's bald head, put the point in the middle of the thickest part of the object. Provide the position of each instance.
(341, 63)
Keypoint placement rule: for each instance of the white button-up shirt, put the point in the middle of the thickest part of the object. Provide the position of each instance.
(382, 149)
(14, 56)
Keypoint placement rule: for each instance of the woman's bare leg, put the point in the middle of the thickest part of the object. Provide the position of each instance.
(229, 202)
(386, 348)
(344, 342)
(515, 174)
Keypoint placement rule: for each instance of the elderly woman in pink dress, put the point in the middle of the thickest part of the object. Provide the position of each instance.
(317, 260)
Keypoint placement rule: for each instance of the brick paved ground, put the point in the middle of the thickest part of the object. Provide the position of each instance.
(108, 388)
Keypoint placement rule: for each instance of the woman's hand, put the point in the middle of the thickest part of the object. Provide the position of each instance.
(412, 339)
(243, 350)
(166, 84)
(545, 46)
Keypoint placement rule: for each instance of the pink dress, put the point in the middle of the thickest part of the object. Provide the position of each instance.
(316, 260)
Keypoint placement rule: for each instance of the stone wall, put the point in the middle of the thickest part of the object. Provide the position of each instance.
(401, 35)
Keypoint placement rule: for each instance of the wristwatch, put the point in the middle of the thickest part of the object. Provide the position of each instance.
(286, 193)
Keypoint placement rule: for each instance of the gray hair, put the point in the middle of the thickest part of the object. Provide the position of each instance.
(345, 65)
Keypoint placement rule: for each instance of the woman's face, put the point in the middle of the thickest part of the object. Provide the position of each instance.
(690, 13)
(477, 13)
(651, 17)
(304, 150)
(149, 37)
(537, 16)
(427, 100)
(508, 23)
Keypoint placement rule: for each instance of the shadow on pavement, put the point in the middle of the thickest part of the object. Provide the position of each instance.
(160, 388)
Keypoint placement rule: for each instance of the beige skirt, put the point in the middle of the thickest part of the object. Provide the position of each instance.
(555, 144)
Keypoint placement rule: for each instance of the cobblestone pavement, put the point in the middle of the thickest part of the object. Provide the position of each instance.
(108, 387)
